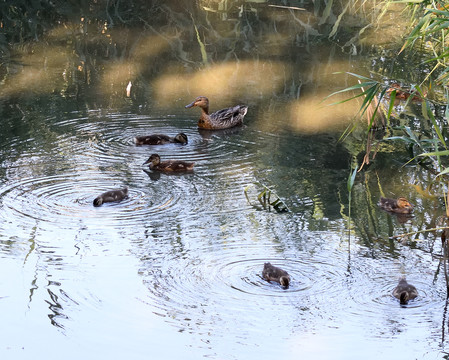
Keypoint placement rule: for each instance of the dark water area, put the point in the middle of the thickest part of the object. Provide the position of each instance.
(175, 270)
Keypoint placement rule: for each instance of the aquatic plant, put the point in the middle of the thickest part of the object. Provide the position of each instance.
(265, 199)
(432, 30)
(384, 103)
(380, 97)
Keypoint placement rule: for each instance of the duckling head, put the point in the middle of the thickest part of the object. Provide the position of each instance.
(404, 297)
(284, 281)
(404, 204)
(181, 138)
(154, 159)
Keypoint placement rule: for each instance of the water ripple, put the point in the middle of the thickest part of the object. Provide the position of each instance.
(180, 286)
(95, 153)
(64, 199)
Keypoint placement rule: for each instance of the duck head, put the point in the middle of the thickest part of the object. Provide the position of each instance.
(284, 281)
(404, 204)
(154, 159)
(200, 101)
(181, 138)
(404, 297)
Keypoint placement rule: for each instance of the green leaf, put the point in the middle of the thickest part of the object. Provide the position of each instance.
(435, 124)
(326, 12)
(412, 135)
(435, 153)
(403, 138)
(353, 87)
(392, 100)
(416, 31)
(337, 23)
(351, 179)
(444, 172)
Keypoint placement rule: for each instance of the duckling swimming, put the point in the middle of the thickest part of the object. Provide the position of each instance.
(402, 94)
(399, 206)
(404, 291)
(111, 196)
(273, 273)
(158, 139)
(222, 119)
(168, 166)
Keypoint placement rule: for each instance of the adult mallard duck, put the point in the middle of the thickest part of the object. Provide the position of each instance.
(221, 119)
(399, 206)
(404, 291)
(158, 139)
(168, 166)
(111, 196)
(273, 273)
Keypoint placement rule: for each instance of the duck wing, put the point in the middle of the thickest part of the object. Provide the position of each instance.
(155, 139)
(388, 204)
(404, 286)
(229, 117)
(174, 165)
(273, 273)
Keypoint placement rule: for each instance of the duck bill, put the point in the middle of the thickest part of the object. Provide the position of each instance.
(190, 105)
(146, 162)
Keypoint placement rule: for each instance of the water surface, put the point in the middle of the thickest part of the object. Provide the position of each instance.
(175, 269)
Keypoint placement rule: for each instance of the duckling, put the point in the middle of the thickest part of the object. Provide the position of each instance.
(402, 94)
(168, 166)
(111, 196)
(158, 139)
(273, 273)
(399, 206)
(404, 291)
(222, 119)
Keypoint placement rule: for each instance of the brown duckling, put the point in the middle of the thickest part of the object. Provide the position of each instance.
(168, 166)
(402, 94)
(111, 196)
(221, 119)
(399, 206)
(273, 273)
(158, 139)
(404, 291)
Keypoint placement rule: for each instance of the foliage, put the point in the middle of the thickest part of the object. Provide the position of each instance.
(427, 144)
(28, 20)
(264, 198)
(432, 30)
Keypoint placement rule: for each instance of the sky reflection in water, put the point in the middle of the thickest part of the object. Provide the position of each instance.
(175, 270)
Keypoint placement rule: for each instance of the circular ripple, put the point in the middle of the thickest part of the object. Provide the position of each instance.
(210, 288)
(95, 153)
(377, 294)
(369, 298)
(64, 199)
(225, 157)
(308, 276)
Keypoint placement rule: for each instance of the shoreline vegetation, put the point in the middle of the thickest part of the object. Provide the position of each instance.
(385, 101)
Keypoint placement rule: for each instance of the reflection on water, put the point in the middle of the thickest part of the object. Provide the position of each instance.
(177, 265)
(190, 245)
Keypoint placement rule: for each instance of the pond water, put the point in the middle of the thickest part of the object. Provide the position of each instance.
(174, 270)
